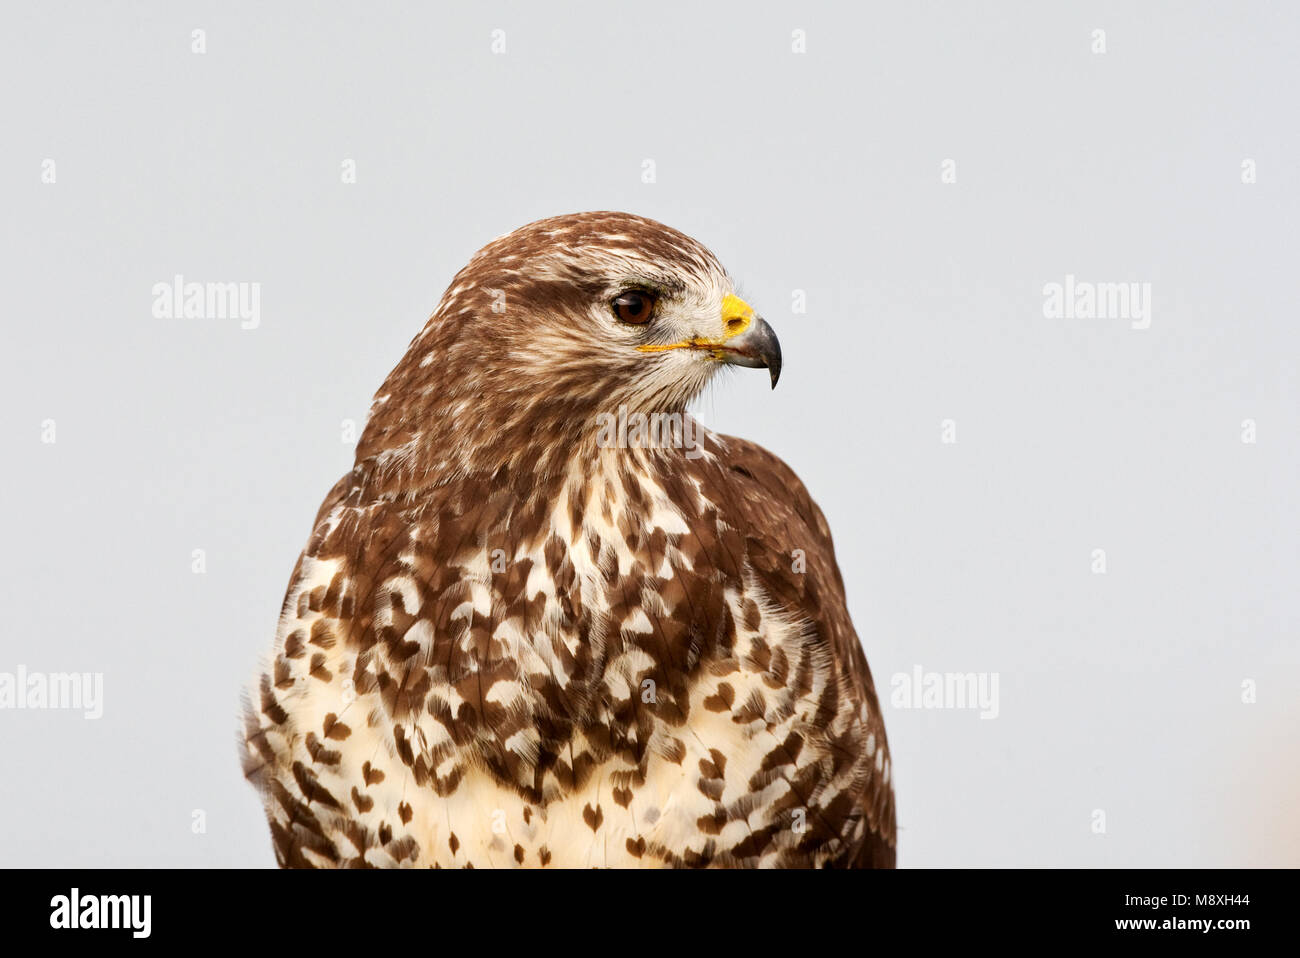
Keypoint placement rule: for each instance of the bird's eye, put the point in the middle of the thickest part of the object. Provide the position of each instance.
(634, 306)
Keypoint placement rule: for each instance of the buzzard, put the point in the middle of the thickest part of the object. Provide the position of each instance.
(525, 634)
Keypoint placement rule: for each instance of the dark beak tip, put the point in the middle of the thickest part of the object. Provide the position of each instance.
(774, 359)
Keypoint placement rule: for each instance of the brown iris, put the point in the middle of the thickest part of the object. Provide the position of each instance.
(634, 306)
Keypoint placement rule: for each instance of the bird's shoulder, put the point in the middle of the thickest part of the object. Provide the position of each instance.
(789, 544)
(791, 555)
(768, 490)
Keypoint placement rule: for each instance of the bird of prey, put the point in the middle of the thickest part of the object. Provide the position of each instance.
(522, 635)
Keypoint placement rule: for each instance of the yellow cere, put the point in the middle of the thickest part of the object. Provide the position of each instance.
(736, 316)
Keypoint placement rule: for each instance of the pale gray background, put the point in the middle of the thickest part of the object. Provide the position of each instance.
(817, 172)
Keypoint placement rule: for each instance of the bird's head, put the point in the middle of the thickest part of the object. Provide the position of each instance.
(554, 323)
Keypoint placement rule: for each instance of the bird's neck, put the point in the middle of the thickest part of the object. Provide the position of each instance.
(535, 445)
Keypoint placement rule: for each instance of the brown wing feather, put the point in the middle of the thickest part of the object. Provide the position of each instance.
(779, 516)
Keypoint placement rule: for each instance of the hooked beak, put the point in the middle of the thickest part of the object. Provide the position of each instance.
(756, 346)
(746, 340)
